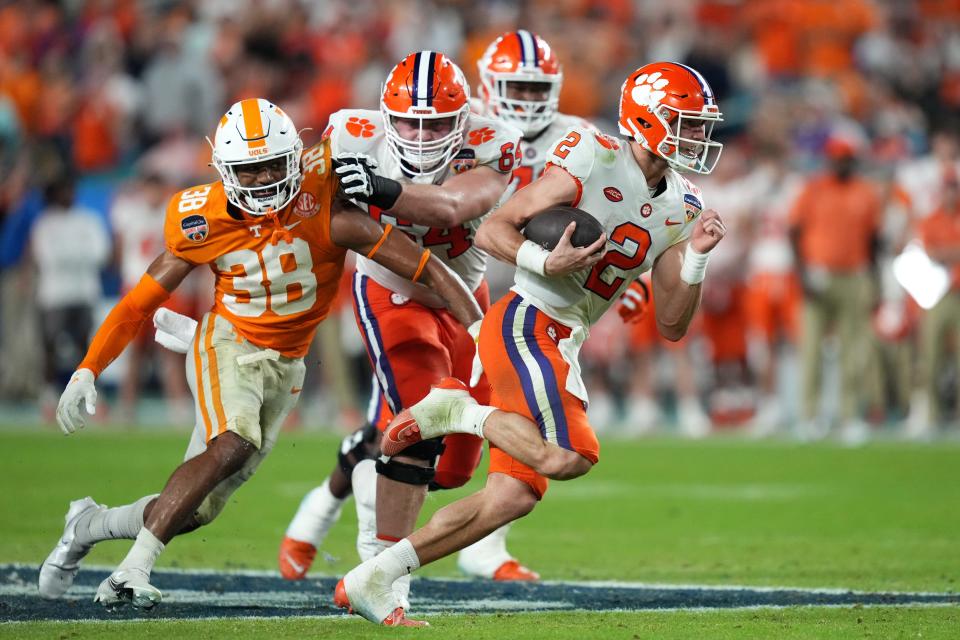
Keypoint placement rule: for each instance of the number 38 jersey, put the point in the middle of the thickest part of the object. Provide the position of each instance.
(486, 143)
(639, 226)
(276, 276)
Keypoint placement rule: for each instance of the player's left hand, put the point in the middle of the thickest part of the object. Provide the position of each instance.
(634, 302)
(707, 232)
(359, 181)
(79, 389)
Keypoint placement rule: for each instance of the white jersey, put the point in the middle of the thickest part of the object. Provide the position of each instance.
(140, 230)
(536, 150)
(486, 143)
(639, 226)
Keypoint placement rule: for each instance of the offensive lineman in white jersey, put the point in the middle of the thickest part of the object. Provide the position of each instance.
(439, 170)
(528, 341)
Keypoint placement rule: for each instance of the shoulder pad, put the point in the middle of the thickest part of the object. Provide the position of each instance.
(490, 140)
(192, 217)
(354, 131)
(576, 151)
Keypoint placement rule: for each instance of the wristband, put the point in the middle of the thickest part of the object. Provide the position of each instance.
(694, 266)
(532, 257)
(384, 191)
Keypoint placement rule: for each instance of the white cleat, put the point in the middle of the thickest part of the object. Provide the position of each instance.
(128, 586)
(61, 566)
(366, 591)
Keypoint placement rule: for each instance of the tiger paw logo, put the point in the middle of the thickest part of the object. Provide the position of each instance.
(649, 89)
(479, 136)
(360, 127)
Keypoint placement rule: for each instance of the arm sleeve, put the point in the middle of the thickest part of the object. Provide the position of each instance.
(123, 323)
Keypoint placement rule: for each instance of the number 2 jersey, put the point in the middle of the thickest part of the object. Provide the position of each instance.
(486, 143)
(275, 276)
(639, 225)
(535, 150)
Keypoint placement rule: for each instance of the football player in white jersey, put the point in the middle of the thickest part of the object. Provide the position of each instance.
(520, 80)
(430, 169)
(536, 424)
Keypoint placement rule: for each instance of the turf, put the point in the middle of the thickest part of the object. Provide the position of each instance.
(723, 511)
(789, 624)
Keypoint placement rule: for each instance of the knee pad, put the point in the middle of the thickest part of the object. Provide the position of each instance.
(360, 445)
(406, 473)
(426, 450)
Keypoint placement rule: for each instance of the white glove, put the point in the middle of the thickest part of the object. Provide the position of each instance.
(79, 389)
(477, 368)
(175, 331)
(354, 171)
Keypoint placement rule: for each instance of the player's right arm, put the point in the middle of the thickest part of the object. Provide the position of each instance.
(353, 229)
(561, 184)
(120, 327)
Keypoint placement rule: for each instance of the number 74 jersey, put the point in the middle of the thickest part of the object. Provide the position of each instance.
(639, 225)
(276, 277)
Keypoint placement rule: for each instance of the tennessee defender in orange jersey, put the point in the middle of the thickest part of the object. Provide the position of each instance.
(275, 236)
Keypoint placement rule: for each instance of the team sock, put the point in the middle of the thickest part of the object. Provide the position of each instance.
(144, 553)
(118, 523)
(319, 511)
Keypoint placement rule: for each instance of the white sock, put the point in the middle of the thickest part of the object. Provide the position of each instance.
(399, 560)
(364, 481)
(485, 556)
(119, 523)
(319, 511)
(474, 416)
(144, 552)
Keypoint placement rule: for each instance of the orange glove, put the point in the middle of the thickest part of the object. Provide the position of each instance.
(633, 303)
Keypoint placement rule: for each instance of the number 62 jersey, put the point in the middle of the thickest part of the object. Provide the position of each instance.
(276, 276)
(639, 225)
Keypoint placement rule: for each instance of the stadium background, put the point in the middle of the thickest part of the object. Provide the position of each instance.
(119, 94)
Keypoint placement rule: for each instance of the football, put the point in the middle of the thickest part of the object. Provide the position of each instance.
(546, 227)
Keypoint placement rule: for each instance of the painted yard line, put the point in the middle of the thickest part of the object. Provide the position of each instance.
(609, 584)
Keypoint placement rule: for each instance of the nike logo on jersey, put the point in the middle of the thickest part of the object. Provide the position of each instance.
(296, 390)
(670, 222)
(291, 226)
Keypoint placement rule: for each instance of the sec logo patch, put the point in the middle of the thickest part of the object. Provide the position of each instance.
(194, 228)
(306, 205)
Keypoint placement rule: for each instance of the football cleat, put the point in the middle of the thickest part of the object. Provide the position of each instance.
(295, 558)
(397, 618)
(436, 415)
(511, 570)
(128, 586)
(61, 566)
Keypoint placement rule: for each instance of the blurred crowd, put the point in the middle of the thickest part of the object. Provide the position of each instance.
(841, 121)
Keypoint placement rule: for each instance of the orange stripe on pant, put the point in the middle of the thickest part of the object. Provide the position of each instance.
(214, 376)
(519, 352)
(201, 396)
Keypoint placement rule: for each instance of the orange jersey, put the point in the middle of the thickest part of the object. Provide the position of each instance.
(276, 276)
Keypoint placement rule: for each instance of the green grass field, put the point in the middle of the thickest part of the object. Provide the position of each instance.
(724, 511)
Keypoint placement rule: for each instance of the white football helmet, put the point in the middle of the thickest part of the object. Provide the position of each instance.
(253, 131)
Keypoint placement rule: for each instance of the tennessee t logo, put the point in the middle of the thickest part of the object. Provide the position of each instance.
(255, 230)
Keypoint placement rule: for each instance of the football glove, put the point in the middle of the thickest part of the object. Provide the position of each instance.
(79, 389)
(359, 182)
(633, 303)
